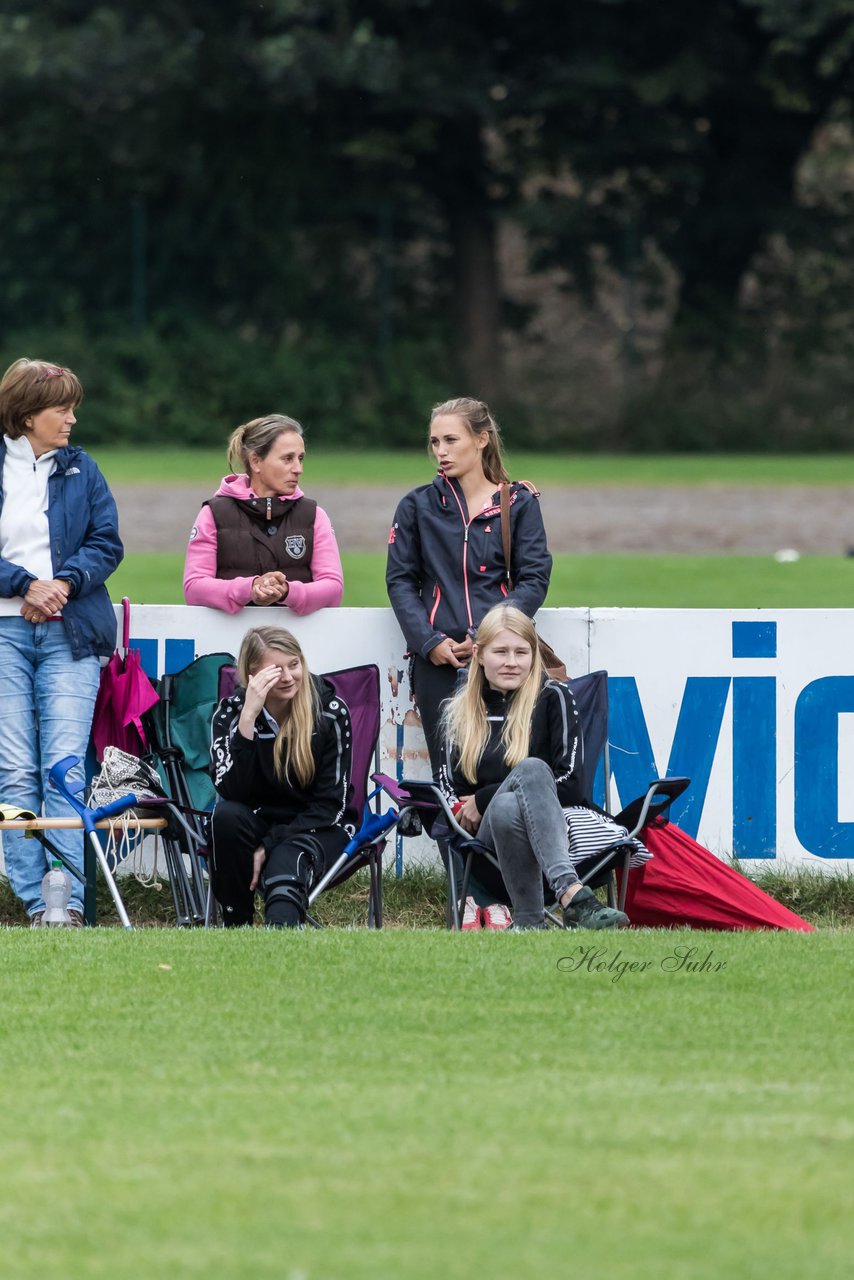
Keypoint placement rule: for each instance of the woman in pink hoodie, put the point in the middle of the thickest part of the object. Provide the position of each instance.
(260, 540)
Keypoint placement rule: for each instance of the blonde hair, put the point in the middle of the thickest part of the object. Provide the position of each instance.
(475, 414)
(258, 437)
(464, 718)
(28, 386)
(292, 749)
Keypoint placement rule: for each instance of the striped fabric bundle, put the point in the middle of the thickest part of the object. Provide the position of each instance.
(591, 833)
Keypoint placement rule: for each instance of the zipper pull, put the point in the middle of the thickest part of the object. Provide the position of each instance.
(269, 508)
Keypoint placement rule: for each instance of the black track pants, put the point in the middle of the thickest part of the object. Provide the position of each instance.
(292, 867)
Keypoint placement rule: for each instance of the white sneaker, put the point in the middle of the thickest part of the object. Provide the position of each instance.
(496, 916)
(472, 915)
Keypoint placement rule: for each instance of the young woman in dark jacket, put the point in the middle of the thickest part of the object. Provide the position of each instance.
(59, 543)
(280, 761)
(446, 565)
(511, 763)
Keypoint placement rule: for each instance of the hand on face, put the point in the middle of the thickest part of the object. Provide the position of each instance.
(259, 687)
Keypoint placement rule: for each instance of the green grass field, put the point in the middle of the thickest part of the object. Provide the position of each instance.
(401, 470)
(347, 1105)
(652, 582)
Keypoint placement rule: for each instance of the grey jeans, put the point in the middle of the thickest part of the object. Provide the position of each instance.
(525, 826)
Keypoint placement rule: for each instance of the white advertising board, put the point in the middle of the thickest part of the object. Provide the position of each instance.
(756, 707)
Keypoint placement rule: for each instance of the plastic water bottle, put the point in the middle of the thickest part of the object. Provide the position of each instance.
(56, 890)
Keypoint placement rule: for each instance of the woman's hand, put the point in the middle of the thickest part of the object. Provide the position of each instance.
(44, 599)
(270, 588)
(258, 687)
(468, 816)
(443, 654)
(259, 857)
(463, 650)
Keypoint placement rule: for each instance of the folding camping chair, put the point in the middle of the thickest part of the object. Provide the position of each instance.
(427, 799)
(179, 734)
(359, 687)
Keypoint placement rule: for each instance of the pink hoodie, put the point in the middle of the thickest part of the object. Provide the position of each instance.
(202, 586)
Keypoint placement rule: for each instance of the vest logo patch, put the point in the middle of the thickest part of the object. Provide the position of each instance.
(194, 533)
(295, 546)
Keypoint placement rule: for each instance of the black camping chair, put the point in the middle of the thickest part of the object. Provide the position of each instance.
(423, 804)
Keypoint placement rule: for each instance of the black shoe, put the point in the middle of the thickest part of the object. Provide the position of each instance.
(585, 911)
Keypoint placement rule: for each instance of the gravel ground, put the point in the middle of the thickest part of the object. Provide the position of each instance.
(713, 519)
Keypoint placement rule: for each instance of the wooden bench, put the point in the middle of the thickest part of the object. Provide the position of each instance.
(89, 859)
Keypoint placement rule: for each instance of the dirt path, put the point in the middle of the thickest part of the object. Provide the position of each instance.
(758, 521)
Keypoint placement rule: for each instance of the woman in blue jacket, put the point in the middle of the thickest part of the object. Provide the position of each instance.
(446, 566)
(59, 542)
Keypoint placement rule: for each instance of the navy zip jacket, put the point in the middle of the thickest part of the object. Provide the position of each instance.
(555, 739)
(85, 548)
(245, 770)
(444, 572)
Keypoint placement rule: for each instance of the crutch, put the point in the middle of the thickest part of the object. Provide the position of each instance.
(70, 791)
(373, 826)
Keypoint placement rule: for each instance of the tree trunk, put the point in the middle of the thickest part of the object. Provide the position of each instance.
(477, 290)
(463, 190)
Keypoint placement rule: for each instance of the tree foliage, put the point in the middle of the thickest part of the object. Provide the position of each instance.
(323, 180)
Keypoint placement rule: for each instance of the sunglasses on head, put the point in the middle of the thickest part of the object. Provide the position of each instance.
(53, 372)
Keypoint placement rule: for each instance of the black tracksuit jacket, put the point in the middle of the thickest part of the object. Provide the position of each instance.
(555, 738)
(244, 770)
(445, 572)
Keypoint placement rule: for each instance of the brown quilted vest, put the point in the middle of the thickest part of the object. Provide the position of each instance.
(249, 541)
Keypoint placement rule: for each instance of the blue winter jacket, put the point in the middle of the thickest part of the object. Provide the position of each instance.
(445, 572)
(85, 548)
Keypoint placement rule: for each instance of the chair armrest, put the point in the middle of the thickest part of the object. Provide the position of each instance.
(659, 796)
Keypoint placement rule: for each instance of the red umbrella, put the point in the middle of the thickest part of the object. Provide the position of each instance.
(685, 885)
(124, 695)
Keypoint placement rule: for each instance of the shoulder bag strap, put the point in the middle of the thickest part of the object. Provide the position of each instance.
(504, 495)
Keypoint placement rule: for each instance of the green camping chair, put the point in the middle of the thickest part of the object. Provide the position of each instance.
(179, 736)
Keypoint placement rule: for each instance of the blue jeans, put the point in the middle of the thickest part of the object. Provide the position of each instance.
(46, 704)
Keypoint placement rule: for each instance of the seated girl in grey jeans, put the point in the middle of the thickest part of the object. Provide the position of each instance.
(511, 763)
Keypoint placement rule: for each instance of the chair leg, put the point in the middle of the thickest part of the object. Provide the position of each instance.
(624, 880)
(375, 902)
(454, 920)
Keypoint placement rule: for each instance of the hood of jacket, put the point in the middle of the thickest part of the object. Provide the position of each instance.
(240, 488)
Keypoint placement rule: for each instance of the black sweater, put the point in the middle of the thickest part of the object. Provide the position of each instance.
(243, 769)
(555, 738)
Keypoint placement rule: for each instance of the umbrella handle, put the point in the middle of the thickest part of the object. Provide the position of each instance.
(125, 624)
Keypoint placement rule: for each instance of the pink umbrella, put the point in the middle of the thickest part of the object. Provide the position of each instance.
(686, 885)
(124, 695)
